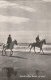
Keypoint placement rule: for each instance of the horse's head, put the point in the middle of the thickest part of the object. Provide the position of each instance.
(15, 41)
(44, 41)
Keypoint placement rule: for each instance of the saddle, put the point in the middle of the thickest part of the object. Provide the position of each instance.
(8, 46)
(38, 43)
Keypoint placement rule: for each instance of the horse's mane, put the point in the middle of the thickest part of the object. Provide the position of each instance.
(42, 40)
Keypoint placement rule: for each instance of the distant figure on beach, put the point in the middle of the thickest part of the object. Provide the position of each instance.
(37, 39)
(9, 40)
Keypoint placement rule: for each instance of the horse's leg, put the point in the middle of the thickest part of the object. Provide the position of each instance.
(30, 48)
(2, 52)
(5, 51)
(34, 49)
(41, 50)
(11, 52)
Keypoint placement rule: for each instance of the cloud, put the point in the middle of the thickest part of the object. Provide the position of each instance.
(46, 0)
(27, 8)
(44, 20)
(13, 19)
(5, 4)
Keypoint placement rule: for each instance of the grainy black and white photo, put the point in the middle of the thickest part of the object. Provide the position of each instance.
(25, 39)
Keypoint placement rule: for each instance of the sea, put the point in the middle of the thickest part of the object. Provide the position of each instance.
(26, 48)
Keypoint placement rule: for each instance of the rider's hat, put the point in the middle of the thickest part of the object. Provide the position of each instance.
(9, 35)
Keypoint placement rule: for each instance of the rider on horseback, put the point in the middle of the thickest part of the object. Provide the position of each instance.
(37, 39)
(9, 40)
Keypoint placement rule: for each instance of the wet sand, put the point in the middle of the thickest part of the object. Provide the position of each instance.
(26, 60)
(26, 63)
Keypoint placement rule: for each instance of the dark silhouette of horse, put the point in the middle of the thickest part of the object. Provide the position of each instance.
(5, 47)
(39, 45)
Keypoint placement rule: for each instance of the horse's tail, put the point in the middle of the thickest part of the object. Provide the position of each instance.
(29, 44)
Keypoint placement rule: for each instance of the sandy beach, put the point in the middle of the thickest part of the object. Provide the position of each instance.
(26, 63)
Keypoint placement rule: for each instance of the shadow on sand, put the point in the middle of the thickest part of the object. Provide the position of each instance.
(48, 54)
(38, 53)
(18, 57)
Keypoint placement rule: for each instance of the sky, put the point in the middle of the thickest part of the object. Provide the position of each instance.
(25, 19)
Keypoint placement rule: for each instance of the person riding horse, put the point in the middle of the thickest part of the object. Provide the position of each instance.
(9, 40)
(37, 39)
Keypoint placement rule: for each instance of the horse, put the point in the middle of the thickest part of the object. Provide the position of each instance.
(5, 47)
(39, 45)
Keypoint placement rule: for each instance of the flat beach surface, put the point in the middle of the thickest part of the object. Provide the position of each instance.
(27, 63)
